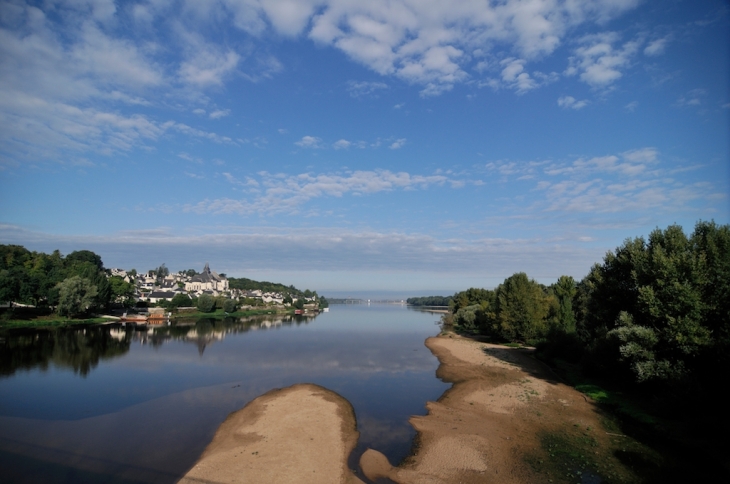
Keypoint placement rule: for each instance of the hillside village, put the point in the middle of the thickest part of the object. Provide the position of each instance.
(155, 289)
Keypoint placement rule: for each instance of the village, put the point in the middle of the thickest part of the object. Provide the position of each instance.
(158, 287)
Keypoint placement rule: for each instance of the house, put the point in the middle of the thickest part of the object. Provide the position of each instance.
(157, 296)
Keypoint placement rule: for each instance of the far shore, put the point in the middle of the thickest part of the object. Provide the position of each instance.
(54, 321)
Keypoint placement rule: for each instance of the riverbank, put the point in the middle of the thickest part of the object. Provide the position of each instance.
(303, 433)
(508, 419)
(41, 318)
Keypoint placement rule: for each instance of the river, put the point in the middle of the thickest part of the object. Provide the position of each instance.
(120, 404)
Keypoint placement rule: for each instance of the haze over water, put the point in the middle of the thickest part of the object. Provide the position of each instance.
(153, 400)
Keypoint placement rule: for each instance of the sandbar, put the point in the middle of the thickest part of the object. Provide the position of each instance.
(303, 434)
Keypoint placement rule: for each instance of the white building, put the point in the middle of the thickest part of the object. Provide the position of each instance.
(207, 281)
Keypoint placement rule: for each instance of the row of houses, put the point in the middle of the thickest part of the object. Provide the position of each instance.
(153, 290)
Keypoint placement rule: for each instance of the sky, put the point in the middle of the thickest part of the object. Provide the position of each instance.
(390, 147)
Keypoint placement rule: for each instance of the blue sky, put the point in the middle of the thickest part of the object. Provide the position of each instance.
(400, 147)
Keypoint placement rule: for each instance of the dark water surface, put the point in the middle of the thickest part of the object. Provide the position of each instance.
(118, 404)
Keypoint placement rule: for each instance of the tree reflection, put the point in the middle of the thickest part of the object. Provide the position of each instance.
(81, 350)
(77, 349)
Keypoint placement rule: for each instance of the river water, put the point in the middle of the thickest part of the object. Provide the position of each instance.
(121, 404)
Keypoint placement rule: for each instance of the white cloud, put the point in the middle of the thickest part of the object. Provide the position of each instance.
(397, 144)
(220, 113)
(209, 66)
(341, 144)
(364, 88)
(569, 102)
(692, 98)
(599, 63)
(199, 111)
(631, 107)
(286, 193)
(430, 43)
(309, 142)
(656, 47)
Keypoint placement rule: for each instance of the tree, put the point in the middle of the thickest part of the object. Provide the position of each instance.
(565, 290)
(85, 256)
(229, 306)
(181, 301)
(76, 295)
(659, 307)
(521, 308)
(121, 290)
(162, 272)
(206, 303)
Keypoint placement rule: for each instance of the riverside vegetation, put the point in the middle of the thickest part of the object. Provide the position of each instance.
(646, 334)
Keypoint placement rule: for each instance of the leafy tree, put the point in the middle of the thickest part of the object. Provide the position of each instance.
(521, 309)
(287, 299)
(229, 306)
(121, 290)
(162, 272)
(658, 307)
(565, 290)
(181, 301)
(323, 303)
(471, 297)
(205, 303)
(299, 303)
(76, 295)
(85, 256)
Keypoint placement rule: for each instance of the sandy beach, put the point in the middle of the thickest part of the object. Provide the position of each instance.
(506, 419)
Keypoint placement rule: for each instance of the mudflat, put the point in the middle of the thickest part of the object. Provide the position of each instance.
(303, 433)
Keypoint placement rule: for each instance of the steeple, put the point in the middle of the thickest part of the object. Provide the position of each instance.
(207, 269)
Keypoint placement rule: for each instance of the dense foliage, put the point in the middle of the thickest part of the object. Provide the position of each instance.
(429, 301)
(76, 283)
(250, 285)
(655, 311)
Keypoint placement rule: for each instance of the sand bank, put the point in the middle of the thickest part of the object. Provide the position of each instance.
(505, 420)
(303, 434)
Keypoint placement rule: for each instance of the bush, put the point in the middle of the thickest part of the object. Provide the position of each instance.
(206, 303)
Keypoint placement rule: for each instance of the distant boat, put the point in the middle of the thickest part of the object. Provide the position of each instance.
(326, 310)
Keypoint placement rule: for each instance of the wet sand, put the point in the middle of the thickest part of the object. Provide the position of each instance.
(303, 433)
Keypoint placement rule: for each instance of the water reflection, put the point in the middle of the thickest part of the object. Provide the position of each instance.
(81, 349)
(151, 398)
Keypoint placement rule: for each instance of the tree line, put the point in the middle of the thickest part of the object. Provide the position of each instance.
(429, 301)
(655, 311)
(74, 284)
